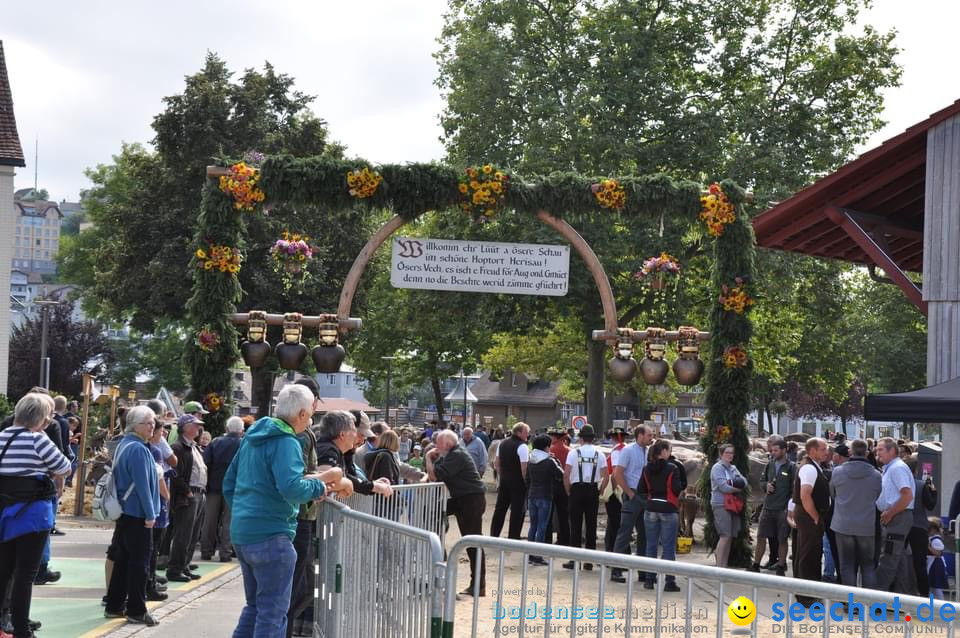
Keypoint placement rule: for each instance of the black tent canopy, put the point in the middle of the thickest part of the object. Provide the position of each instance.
(936, 404)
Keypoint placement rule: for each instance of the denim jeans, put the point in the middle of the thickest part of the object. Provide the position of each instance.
(539, 515)
(829, 566)
(267, 579)
(661, 529)
(856, 555)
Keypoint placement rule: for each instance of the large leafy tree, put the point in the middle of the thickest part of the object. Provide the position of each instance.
(144, 205)
(770, 94)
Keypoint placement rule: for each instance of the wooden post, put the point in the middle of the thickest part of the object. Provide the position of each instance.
(80, 480)
(114, 395)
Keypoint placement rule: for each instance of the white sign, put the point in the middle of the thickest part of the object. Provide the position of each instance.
(480, 266)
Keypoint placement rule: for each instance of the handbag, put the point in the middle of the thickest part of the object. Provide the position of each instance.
(732, 503)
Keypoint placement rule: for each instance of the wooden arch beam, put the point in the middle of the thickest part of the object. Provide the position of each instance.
(566, 230)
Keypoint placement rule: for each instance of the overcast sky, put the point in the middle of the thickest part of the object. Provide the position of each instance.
(88, 75)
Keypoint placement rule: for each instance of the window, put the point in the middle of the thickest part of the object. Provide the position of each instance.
(18, 240)
(513, 379)
(332, 379)
(38, 242)
(238, 376)
(348, 380)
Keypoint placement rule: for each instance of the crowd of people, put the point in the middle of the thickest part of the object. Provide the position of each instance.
(853, 513)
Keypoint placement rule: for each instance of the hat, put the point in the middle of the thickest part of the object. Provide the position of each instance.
(363, 429)
(418, 448)
(617, 430)
(587, 430)
(186, 420)
(191, 407)
(842, 450)
(557, 431)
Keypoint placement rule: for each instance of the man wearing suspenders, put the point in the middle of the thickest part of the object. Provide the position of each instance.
(584, 477)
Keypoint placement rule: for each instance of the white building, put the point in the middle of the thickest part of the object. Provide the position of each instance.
(11, 156)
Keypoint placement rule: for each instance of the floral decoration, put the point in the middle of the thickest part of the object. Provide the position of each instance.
(722, 433)
(735, 299)
(291, 254)
(219, 257)
(363, 182)
(664, 263)
(241, 184)
(213, 401)
(207, 339)
(716, 210)
(735, 357)
(609, 194)
(482, 191)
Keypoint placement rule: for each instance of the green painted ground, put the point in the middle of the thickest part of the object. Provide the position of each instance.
(72, 608)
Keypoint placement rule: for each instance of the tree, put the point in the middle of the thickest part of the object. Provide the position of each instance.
(700, 90)
(145, 204)
(74, 347)
(158, 354)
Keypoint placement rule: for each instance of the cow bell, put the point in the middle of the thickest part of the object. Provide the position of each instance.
(623, 366)
(688, 368)
(327, 359)
(255, 349)
(653, 368)
(291, 353)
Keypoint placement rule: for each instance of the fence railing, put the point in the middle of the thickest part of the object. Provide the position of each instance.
(595, 607)
(419, 505)
(375, 577)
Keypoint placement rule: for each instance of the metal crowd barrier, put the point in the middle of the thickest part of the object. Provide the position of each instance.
(376, 578)
(535, 611)
(419, 505)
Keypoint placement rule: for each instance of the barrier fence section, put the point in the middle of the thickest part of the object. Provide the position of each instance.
(375, 577)
(593, 606)
(419, 505)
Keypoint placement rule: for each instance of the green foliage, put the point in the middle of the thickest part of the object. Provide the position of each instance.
(6, 407)
(158, 354)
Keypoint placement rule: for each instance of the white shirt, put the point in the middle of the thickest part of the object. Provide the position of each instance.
(808, 473)
(586, 459)
(523, 452)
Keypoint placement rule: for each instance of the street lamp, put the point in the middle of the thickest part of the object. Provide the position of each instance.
(389, 361)
(44, 304)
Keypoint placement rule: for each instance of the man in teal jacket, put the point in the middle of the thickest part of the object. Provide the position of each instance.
(265, 486)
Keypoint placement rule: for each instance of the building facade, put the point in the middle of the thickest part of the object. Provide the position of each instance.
(11, 157)
(37, 236)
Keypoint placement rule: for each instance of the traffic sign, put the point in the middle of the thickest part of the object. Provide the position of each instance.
(578, 422)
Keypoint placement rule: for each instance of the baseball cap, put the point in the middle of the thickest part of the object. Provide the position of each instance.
(194, 406)
(842, 450)
(186, 420)
(364, 430)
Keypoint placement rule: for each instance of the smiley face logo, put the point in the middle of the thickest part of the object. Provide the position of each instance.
(742, 611)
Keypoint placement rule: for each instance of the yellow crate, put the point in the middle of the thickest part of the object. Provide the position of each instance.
(684, 544)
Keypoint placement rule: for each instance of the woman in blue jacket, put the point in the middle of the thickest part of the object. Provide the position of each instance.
(264, 487)
(138, 487)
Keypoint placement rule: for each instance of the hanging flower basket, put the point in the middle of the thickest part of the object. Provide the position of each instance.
(363, 183)
(657, 269)
(291, 255)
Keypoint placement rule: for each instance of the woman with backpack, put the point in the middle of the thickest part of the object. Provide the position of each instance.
(661, 483)
(726, 501)
(28, 497)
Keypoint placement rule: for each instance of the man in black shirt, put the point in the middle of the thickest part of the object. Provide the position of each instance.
(511, 464)
(338, 434)
(450, 463)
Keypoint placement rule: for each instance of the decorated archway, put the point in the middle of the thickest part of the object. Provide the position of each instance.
(482, 192)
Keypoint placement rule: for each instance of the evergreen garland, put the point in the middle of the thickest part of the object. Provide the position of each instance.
(727, 394)
(214, 297)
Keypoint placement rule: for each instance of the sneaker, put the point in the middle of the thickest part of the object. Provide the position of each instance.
(754, 568)
(47, 577)
(34, 624)
(618, 577)
(192, 576)
(671, 586)
(57, 532)
(145, 619)
(536, 560)
(178, 577)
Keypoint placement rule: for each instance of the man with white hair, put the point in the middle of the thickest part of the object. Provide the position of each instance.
(264, 488)
(216, 520)
(450, 463)
(476, 448)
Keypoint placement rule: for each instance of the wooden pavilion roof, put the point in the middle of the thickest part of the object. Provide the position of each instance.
(881, 192)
